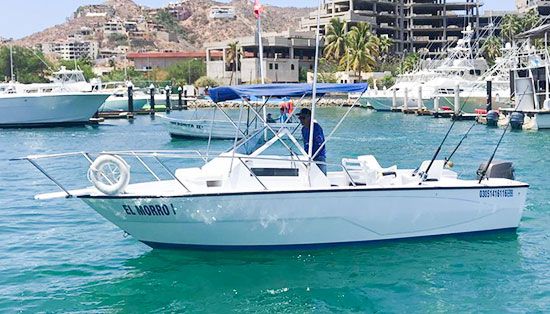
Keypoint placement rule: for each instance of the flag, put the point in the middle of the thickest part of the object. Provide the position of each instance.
(258, 9)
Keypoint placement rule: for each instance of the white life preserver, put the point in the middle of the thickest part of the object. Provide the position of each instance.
(110, 174)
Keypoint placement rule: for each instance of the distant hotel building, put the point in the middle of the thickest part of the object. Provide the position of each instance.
(72, 49)
(284, 55)
(414, 25)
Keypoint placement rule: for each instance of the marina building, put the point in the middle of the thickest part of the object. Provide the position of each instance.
(428, 26)
(72, 49)
(284, 55)
(147, 61)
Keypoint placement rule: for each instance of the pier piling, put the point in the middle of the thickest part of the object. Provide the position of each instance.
(152, 100)
(185, 100)
(167, 92)
(489, 96)
(180, 103)
(130, 114)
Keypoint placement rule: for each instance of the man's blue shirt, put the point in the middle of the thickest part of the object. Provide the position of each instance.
(318, 140)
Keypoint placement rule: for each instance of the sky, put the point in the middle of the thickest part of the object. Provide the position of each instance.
(24, 17)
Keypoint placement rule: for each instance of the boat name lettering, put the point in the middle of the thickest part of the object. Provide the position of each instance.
(150, 210)
(188, 125)
(496, 193)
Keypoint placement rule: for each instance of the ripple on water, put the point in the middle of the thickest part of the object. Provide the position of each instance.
(60, 256)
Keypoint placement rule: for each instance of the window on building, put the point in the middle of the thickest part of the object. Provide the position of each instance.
(271, 66)
(276, 66)
(292, 67)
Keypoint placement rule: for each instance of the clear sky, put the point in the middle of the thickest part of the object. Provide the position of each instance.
(24, 17)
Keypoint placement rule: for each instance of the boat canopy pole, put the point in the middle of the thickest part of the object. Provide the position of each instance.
(210, 133)
(266, 125)
(314, 85)
(339, 123)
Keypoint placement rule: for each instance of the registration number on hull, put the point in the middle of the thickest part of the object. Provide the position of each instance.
(496, 193)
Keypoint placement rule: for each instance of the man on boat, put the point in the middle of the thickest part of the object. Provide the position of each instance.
(283, 117)
(318, 138)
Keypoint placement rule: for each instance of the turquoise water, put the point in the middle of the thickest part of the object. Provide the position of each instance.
(61, 256)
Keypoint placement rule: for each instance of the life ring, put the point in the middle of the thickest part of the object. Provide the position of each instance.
(110, 174)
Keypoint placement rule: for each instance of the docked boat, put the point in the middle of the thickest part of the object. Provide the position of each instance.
(118, 101)
(250, 197)
(43, 105)
(216, 129)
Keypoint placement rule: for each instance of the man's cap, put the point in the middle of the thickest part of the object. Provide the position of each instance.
(304, 112)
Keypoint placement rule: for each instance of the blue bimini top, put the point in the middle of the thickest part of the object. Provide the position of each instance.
(225, 93)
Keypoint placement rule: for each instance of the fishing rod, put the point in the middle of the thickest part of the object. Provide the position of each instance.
(438, 150)
(484, 172)
(448, 159)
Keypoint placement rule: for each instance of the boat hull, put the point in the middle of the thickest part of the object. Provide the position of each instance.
(121, 104)
(303, 218)
(49, 109)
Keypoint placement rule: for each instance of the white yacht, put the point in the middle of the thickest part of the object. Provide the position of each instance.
(118, 101)
(32, 105)
(249, 197)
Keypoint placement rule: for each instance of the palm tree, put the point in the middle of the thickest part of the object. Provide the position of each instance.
(385, 44)
(362, 49)
(511, 25)
(335, 40)
(492, 49)
(409, 63)
(530, 20)
(233, 55)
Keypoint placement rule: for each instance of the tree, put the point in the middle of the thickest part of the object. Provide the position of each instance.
(118, 75)
(187, 71)
(206, 81)
(362, 49)
(233, 56)
(492, 49)
(511, 25)
(29, 66)
(409, 63)
(335, 40)
(530, 19)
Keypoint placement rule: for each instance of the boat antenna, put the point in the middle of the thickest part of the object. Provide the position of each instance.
(314, 85)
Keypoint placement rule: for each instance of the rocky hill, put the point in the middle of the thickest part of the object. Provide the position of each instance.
(189, 30)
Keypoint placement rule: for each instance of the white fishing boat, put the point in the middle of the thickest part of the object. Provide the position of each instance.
(28, 105)
(118, 101)
(249, 197)
(216, 129)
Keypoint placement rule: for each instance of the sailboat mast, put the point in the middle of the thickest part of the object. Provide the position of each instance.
(12, 77)
(314, 87)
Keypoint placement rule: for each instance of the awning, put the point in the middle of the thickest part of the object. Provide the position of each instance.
(224, 93)
(535, 32)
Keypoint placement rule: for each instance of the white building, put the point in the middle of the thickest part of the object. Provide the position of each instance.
(285, 54)
(113, 27)
(72, 50)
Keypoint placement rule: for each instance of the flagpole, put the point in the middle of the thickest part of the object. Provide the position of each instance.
(258, 9)
(314, 87)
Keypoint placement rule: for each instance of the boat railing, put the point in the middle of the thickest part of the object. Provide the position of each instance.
(159, 155)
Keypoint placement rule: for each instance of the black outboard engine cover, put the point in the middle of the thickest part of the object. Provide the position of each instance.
(516, 120)
(492, 118)
(497, 169)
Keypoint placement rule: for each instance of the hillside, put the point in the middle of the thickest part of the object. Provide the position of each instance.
(190, 31)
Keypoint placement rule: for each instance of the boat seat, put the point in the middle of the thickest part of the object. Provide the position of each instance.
(436, 170)
(366, 170)
(197, 179)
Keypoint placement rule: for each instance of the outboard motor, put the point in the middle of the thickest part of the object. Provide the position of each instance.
(492, 118)
(497, 169)
(516, 120)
